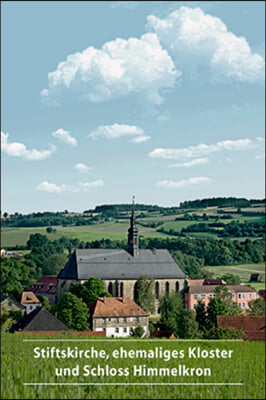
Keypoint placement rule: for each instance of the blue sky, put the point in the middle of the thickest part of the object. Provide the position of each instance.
(105, 100)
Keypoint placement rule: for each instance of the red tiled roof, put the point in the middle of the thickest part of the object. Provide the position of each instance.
(253, 326)
(115, 307)
(46, 284)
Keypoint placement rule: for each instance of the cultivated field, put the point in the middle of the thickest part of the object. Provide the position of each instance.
(240, 377)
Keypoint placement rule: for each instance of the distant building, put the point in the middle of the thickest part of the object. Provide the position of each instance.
(120, 269)
(254, 278)
(158, 333)
(252, 326)
(118, 316)
(46, 287)
(241, 294)
(30, 301)
(11, 305)
(39, 320)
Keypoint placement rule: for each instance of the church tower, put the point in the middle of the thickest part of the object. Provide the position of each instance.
(133, 239)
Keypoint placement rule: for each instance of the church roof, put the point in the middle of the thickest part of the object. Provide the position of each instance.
(119, 264)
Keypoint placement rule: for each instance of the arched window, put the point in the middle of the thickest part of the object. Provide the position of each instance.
(117, 286)
(110, 288)
(157, 288)
(177, 286)
(167, 288)
(135, 291)
(121, 289)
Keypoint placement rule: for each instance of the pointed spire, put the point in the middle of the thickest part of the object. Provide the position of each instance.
(133, 240)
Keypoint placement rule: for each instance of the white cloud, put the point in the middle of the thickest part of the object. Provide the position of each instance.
(140, 139)
(189, 32)
(49, 187)
(116, 131)
(65, 137)
(119, 68)
(203, 149)
(188, 164)
(183, 182)
(16, 149)
(82, 168)
(79, 187)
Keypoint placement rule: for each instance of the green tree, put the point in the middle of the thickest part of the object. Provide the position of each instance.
(231, 279)
(54, 264)
(14, 277)
(73, 312)
(256, 307)
(176, 319)
(138, 331)
(221, 304)
(217, 332)
(201, 316)
(90, 290)
(45, 302)
(145, 293)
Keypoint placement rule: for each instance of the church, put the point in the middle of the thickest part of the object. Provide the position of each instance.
(120, 269)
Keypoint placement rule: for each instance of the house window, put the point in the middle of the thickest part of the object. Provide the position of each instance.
(30, 307)
(125, 330)
(239, 295)
(239, 304)
(137, 319)
(233, 297)
(117, 320)
(125, 319)
(203, 297)
(243, 296)
(177, 286)
(110, 288)
(195, 306)
(157, 288)
(104, 320)
(256, 295)
(116, 330)
(249, 295)
(109, 319)
(243, 305)
(195, 297)
(9, 304)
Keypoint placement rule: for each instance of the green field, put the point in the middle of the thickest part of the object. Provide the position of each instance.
(107, 230)
(243, 270)
(242, 376)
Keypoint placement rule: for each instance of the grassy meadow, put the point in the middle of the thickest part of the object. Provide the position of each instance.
(246, 369)
(244, 271)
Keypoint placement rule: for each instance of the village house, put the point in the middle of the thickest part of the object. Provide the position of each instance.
(29, 301)
(252, 325)
(39, 321)
(118, 316)
(10, 304)
(120, 269)
(46, 287)
(197, 290)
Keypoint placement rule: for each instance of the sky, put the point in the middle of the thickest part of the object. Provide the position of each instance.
(101, 101)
